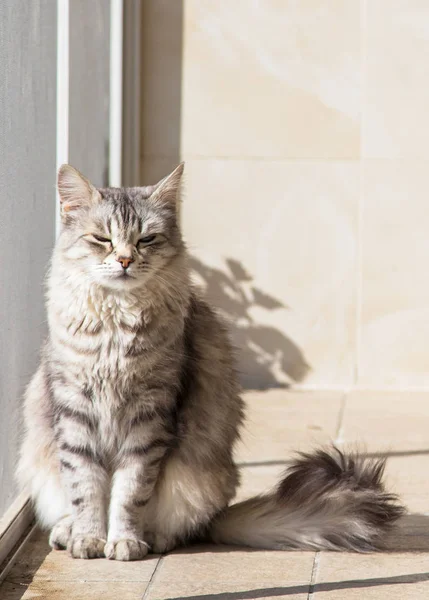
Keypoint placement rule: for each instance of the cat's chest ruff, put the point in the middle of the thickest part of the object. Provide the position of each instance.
(101, 329)
(92, 311)
(114, 312)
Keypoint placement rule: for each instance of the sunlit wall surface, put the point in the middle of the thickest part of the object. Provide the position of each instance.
(304, 127)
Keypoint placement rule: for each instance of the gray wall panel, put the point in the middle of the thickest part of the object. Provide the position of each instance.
(89, 88)
(27, 202)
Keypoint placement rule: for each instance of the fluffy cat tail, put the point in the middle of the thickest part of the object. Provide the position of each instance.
(326, 500)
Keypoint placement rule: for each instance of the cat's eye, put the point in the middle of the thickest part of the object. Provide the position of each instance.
(148, 239)
(100, 238)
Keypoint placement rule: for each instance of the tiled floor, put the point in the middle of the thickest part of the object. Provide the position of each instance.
(279, 422)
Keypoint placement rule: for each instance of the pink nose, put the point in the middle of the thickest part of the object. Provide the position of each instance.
(125, 261)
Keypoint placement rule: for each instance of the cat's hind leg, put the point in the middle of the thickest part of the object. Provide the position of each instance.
(38, 472)
(48, 496)
(185, 500)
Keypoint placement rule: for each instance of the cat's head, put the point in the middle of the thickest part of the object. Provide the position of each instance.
(118, 237)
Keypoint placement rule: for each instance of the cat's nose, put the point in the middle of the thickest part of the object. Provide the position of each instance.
(125, 261)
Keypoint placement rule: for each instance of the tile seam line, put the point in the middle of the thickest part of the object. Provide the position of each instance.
(315, 388)
(283, 158)
(35, 578)
(279, 159)
(340, 422)
(314, 572)
(152, 579)
(361, 201)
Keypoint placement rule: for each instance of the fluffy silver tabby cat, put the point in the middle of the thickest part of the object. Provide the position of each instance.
(132, 416)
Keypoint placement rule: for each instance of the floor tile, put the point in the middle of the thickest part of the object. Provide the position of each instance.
(394, 575)
(72, 590)
(408, 476)
(40, 562)
(376, 589)
(388, 421)
(258, 480)
(280, 422)
(220, 591)
(232, 565)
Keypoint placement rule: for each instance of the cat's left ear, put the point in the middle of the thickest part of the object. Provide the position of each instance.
(167, 191)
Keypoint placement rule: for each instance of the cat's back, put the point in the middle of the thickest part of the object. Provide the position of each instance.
(212, 408)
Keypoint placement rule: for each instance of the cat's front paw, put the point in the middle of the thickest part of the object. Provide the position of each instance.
(61, 533)
(126, 550)
(85, 546)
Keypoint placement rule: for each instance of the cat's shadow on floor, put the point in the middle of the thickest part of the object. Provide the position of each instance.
(267, 357)
(411, 534)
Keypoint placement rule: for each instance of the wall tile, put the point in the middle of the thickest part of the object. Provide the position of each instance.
(396, 79)
(274, 243)
(395, 292)
(250, 91)
(275, 78)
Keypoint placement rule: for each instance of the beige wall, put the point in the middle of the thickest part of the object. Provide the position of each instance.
(305, 129)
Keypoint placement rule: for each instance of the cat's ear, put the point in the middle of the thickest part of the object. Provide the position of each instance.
(74, 189)
(167, 191)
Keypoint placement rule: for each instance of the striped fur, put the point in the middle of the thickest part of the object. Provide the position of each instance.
(133, 414)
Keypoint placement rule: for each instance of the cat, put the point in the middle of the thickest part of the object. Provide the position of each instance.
(134, 411)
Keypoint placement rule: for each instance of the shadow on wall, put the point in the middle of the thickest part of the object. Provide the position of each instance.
(267, 358)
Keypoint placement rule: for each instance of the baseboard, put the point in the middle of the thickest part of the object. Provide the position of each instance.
(15, 526)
